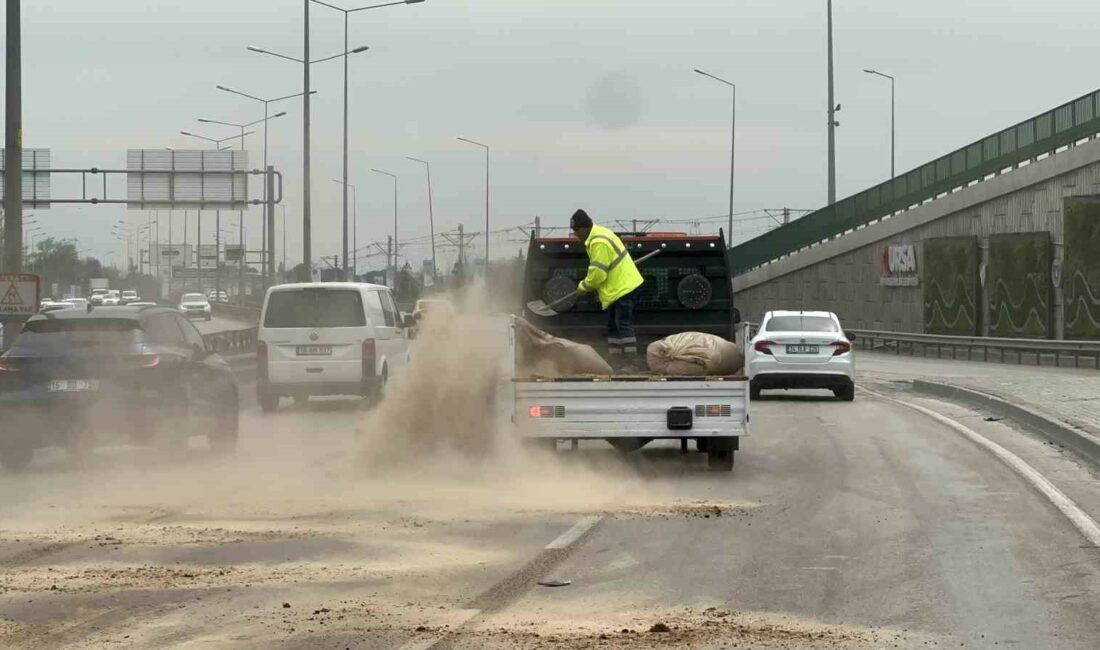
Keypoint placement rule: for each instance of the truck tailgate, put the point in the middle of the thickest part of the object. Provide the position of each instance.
(718, 407)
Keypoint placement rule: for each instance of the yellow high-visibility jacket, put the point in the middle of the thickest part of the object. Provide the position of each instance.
(611, 270)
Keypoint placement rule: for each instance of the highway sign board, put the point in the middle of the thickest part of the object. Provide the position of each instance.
(18, 294)
(208, 256)
(36, 178)
(185, 177)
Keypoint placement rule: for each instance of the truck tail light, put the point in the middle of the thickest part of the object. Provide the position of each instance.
(842, 347)
(261, 359)
(369, 357)
(546, 411)
(764, 347)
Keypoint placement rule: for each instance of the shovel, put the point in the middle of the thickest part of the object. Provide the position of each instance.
(542, 309)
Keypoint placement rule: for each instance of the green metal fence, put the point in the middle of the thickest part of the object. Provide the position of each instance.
(1041, 134)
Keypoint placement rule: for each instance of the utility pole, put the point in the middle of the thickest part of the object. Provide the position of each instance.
(832, 110)
(307, 253)
(13, 143)
(786, 216)
(538, 227)
(390, 261)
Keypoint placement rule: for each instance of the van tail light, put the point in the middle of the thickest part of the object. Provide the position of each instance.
(763, 347)
(261, 359)
(145, 361)
(842, 347)
(369, 358)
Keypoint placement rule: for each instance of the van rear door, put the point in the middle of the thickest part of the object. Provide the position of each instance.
(389, 340)
(314, 334)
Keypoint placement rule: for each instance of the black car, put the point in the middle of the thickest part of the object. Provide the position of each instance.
(144, 371)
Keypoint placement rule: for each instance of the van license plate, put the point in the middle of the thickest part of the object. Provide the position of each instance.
(74, 385)
(802, 349)
(315, 350)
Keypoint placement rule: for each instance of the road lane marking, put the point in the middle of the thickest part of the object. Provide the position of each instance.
(1078, 517)
(570, 536)
(454, 619)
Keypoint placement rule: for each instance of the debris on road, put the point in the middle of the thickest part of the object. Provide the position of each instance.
(555, 583)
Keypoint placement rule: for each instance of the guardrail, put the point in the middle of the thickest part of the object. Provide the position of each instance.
(242, 340)
(246, 313)
(978, 348)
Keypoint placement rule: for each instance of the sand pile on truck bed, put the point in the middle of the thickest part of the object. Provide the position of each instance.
(694, 353)
(552, 356)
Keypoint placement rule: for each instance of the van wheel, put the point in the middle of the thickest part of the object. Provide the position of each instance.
(269, 402)
(754, 392)
(846, 393)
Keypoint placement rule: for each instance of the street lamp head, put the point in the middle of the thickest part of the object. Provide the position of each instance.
(870, 71)
(361, 48)
(413, 2)
(699, 71)
(203, 119)
(278, 114)
(256, 49)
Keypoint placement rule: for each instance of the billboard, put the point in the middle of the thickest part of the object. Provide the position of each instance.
(233, 254)
(208, 256)
(200, 177)
(170, 255)
(36, 178)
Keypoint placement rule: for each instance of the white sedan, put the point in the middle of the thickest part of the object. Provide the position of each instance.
(195, 304)
(802, 349)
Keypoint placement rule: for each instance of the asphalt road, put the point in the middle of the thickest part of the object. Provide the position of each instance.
(842, 525)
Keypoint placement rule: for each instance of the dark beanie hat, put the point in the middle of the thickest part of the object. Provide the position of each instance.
(580, 220)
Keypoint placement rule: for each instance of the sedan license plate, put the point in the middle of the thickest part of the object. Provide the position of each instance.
(315, 350)
(74, 385)
(802, 349)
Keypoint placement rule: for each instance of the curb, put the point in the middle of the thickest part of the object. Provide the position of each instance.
(1083, 444)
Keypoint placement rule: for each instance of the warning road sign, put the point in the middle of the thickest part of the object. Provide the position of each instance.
(18, 294)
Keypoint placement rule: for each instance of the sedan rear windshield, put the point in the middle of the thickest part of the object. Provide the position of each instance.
(315, 308)
(801, 324)
(76, 334)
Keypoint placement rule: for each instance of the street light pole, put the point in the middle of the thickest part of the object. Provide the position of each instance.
(892, 154)
(394, 177)
(486, 147)
(13, 144)
(733, 148)
(346, 12)
(307, 244)
(832, 110)
(355, 229)
(269, 220)
(431, 216)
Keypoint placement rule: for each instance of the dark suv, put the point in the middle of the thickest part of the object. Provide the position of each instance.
(142, 371)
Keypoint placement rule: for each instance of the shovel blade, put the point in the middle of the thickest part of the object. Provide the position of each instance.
(541, 308)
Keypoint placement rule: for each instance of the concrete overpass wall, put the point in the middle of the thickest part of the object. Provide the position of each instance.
(848, 275)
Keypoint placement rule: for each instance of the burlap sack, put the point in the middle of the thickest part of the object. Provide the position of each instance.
(551, 356)
(694, 353)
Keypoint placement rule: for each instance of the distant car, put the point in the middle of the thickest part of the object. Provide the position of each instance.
(109, 300)
(143, 371)
(432, 305)
(97, 295)
(77, 303)
(328, 338)
(195, 305)
(801, 349)
(216, 296)
(49, 306)
(128, 297)
(45, 301)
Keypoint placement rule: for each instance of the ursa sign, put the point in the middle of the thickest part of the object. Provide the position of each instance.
(899, 262)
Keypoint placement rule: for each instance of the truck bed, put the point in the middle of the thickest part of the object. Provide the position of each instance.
(632, 407)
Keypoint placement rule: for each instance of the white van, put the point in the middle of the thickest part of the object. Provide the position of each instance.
(328, 338)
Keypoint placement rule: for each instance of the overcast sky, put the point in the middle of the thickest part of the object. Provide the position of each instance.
(585, 103)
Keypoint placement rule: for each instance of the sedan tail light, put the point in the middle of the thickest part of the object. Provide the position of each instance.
(261, 359)
(763, 347)
(369, 358)
(842, 347)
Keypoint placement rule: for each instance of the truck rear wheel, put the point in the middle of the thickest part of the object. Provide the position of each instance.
(720, 460)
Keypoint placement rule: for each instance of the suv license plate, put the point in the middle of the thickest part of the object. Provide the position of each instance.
(802, 349)
(315, 350)
(73, 385)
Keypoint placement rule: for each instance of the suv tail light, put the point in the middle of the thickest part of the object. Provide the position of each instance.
(763, 347)
(369, 357)
(261, 359)
(842, 347)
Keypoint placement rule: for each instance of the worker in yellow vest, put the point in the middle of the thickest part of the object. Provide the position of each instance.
(613, 276)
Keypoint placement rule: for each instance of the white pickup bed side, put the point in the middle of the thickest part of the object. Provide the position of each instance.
(616, 408)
